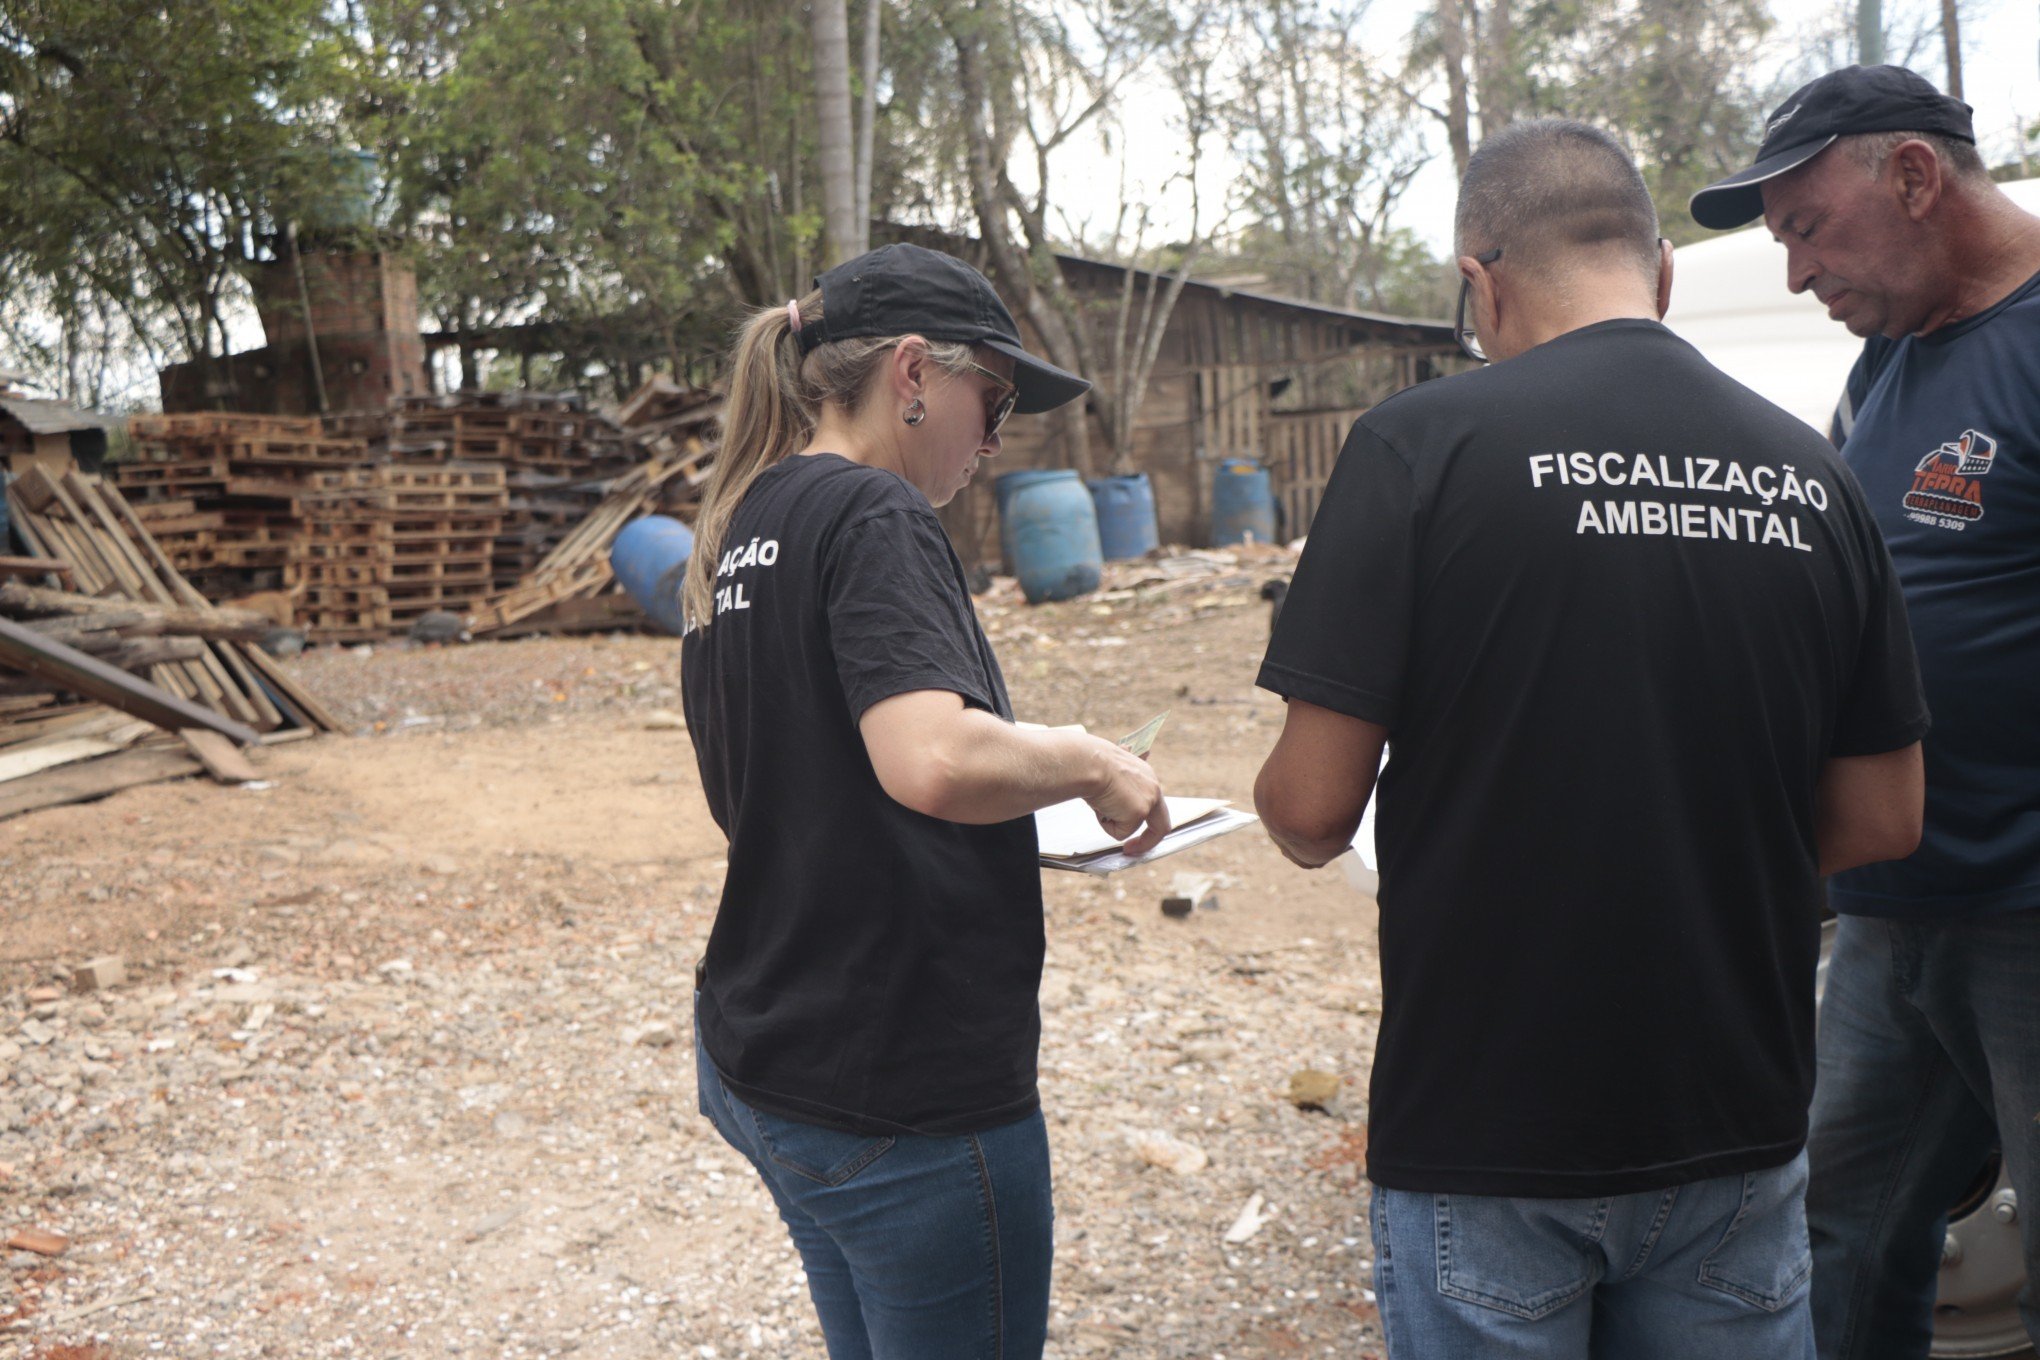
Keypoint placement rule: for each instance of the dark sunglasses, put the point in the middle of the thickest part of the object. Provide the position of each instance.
(1009, 396)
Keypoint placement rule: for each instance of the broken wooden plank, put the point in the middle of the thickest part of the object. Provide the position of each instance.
(222, 761)
(272, 673)
(216, 625)
(91, 779)
(18, 763)
(241, 660)
(34, 566)
(27, 651)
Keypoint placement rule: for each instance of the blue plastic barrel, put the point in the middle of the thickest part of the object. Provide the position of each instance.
(649, 557)
(1003, 487)
(1242, 503)
(1055, 537)
(1126, 516)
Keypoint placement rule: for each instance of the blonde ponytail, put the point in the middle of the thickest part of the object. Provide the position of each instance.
(766, 420)
(776, 399)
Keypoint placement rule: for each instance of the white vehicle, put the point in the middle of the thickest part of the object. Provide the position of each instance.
(1729, 299)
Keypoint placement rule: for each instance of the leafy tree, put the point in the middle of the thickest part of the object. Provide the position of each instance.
(150, 154)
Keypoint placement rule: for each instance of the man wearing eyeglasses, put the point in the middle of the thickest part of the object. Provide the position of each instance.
(1644, 673)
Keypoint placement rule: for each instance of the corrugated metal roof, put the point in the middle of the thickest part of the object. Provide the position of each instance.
(1408, 329)
(55, 417)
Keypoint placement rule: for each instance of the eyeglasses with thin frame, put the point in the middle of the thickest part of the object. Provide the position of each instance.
(1469, 342)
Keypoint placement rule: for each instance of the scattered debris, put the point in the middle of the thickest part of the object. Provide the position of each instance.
(1188, 892)
(1250, 1221)
(1311, 1089)
(100, 974)
(39, 1241)
(1170, 1153)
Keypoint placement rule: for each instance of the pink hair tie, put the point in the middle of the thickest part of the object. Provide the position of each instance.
(793, 317)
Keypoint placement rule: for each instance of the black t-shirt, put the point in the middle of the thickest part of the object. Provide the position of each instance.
(1615, 611)
(870, 968)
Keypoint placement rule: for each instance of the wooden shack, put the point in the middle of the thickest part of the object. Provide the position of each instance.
(1240, 374)
(52, 435)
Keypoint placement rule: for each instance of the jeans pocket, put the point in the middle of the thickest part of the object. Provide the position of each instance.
(824, 1155)
(1526, 1257)
(1764, 1257)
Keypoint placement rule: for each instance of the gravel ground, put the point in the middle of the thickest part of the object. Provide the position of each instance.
(402, 1063)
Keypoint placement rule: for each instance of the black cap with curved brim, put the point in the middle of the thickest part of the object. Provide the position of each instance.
(1855, 99)
(910, 290)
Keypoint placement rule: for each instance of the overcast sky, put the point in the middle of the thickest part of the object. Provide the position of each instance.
(2001, 81)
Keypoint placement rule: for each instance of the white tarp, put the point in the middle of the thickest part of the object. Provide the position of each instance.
(1729, 299)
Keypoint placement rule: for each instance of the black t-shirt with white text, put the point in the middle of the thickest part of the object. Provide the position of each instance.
(1615, 611)
(870, 968)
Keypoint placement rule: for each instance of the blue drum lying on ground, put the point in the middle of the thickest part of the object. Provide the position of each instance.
(649, 557)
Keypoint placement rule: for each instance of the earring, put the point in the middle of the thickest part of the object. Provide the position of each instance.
(915, 412)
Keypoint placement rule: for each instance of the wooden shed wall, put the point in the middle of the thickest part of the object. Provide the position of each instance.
(1209, 399)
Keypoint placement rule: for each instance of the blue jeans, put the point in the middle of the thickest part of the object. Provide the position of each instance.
(1929, 1049)
(1711, 1270)
(915, 1248)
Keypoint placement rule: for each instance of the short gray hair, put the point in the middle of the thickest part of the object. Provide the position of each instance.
(1545, 189)
(1958, 158)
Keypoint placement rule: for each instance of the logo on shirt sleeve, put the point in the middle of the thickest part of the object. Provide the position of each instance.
(1947, 489)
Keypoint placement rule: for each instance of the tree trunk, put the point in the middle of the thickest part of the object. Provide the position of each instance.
(1452, 40)
(1951, 34)
(867, 123)
(1009, 261)
(1869, 32)
(1495, 55)
(832, 121)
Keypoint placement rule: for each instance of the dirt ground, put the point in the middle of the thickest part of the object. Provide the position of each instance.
(402, 1064)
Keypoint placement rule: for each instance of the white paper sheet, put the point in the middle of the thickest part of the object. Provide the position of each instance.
(1071, 828)
(1208, 827)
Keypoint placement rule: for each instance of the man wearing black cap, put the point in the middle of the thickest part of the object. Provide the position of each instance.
(1930, 1031)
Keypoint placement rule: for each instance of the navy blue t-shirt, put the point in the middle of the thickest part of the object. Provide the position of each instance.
(1943, 432)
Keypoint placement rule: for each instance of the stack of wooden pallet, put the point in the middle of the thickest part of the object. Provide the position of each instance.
(556, 456)
(343, 560)
(220, 493)
(444, 519)
(543, 432)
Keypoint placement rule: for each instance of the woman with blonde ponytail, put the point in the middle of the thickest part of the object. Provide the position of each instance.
(866, 1025)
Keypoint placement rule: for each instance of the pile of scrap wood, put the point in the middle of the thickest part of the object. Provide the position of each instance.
(114, 669)
(671, 421)
(497, 505)
(572, 587)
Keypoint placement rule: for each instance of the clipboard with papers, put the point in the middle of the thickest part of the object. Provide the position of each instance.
(1072, 839)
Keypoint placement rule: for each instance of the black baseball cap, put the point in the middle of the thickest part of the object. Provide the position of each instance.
(1842, 103)
(906, 289)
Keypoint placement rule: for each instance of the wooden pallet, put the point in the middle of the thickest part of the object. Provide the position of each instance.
(579, 566)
